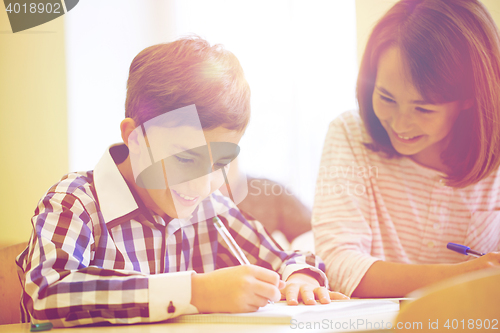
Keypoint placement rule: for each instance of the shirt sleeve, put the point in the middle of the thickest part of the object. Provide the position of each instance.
(343, 206)
(261, 249)
(61, 286)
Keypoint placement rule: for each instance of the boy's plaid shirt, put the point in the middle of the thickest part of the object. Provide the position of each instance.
(96, 253)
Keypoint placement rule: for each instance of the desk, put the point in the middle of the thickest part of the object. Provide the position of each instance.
(164, 327)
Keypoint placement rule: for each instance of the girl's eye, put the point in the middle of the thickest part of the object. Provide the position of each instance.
(183, 160)
(387, 99)
(424, 110)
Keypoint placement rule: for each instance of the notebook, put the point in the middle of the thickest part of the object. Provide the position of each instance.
(281, 313)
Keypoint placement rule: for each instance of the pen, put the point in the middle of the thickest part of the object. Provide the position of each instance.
(231, 243)
(464, 250)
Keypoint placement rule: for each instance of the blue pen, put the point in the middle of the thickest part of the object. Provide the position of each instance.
(464, 250)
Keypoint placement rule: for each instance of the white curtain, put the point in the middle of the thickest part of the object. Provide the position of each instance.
(299, 58)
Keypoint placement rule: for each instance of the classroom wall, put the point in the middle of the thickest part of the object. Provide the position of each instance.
(369, 11)
(33, 122)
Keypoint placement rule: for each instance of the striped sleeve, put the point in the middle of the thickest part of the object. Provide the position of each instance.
(343, 237)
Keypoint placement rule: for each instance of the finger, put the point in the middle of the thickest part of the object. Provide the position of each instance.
(282, 284)
(281, 287)
(323, 295)
(338, 296)
(248, 308)
(266, 275)
(258, 302)
(292, 294)
(266, 291)
(307, 295)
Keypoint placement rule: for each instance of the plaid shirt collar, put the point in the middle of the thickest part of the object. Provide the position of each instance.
(117, 202)
(115, 198)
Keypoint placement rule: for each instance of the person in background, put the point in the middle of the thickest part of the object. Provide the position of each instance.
(418, 166)
(272, 204)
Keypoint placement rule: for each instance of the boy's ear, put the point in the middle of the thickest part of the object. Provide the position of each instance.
(127, 128)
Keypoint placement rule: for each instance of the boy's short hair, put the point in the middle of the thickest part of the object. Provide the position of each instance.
(452, 51)
(169, 76)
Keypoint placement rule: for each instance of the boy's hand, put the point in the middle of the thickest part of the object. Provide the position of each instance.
(242, 288)
(302, 286)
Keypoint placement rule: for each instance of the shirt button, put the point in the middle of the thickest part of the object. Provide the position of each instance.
(430, 244)
(442, 182)
(436, 225)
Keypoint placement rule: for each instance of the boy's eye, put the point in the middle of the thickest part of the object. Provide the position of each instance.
(183, 160)
(386, 99)
(419, 109)
(221, 164)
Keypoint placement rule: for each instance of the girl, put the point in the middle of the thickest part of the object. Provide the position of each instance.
(418, 167)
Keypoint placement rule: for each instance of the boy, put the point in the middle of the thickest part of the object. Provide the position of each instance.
(134, 240)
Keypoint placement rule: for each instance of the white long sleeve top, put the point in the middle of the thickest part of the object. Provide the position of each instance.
(368, 208)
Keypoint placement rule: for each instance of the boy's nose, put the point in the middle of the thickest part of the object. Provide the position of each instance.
(201, 185)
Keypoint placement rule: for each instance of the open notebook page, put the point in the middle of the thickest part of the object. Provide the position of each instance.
(281, 313)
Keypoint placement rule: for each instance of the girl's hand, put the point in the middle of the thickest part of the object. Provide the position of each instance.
(235, 289)
(489, 260)
(304, 287)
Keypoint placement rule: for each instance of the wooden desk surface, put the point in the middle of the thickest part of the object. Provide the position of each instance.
(207, 328)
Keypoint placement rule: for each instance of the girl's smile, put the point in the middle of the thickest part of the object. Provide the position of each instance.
(405, 138)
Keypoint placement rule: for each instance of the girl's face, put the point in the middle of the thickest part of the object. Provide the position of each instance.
(416, 128)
